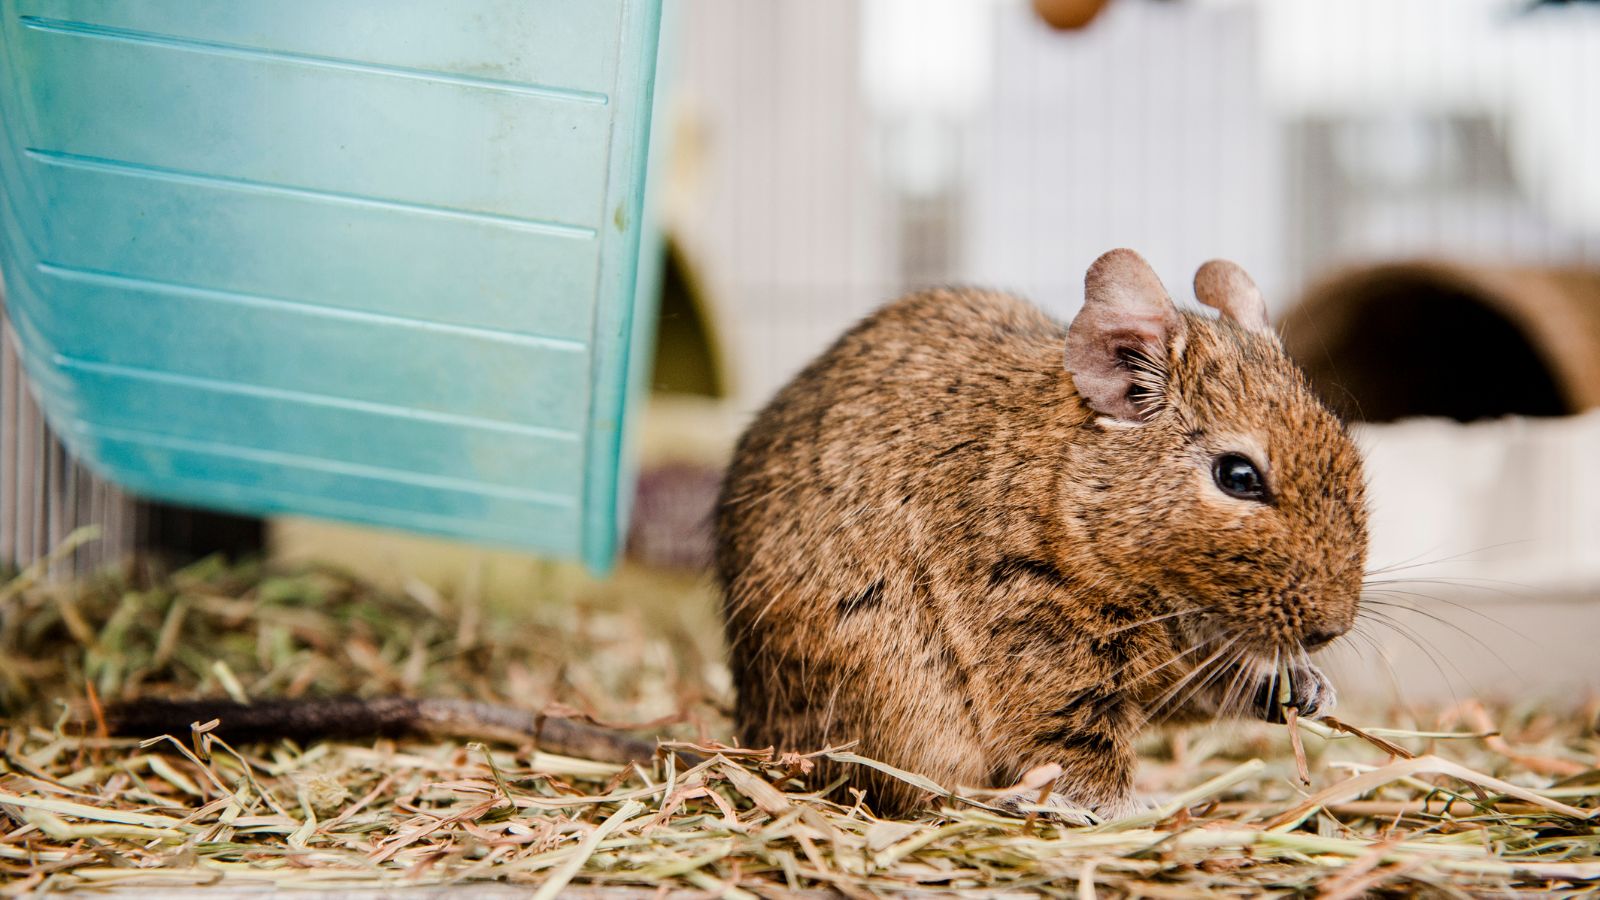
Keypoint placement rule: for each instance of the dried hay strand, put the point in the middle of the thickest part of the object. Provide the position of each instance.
(1461, 808)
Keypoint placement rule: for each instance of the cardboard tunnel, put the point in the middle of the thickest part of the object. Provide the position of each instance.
(1402, 340)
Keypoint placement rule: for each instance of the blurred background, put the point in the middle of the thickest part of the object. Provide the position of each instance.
(1411, 182)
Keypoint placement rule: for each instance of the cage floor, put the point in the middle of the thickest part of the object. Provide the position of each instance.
(1470, 799)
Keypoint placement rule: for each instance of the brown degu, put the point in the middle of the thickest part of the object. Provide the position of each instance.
(975, 542)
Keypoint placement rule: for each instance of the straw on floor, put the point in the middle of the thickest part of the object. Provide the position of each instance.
(1474, 802)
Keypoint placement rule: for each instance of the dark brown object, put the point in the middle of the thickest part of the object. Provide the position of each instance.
(672, 510)
(978, 542)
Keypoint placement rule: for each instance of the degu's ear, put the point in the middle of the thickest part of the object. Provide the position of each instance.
(1118, 345)
(1224, 286)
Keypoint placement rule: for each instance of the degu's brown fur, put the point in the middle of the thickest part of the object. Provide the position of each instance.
(976, 542)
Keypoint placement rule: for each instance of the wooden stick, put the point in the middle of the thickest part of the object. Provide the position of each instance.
(313, 719)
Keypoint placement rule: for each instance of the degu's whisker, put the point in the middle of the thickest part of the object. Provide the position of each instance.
(1383, 606)
(1234, 699)
(1429, 653)
(1234, 663)
(1494, 587)
(1177, 657)
(1412, 563)
(1153, 619)
(1194, 673)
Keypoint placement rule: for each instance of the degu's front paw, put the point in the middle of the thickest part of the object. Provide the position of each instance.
(1310, 693)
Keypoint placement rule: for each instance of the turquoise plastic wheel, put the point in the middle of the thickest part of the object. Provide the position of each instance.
(375, 260)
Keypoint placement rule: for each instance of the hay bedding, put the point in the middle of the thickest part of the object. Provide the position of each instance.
(1464, 810)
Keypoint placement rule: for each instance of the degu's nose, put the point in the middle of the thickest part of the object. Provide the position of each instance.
(1320, 637)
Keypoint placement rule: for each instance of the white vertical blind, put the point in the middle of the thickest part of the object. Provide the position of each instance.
(44, 494)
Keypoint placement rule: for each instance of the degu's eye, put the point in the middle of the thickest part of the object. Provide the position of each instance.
(1238, 477)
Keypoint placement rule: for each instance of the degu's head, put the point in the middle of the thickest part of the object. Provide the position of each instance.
(1228, 489)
